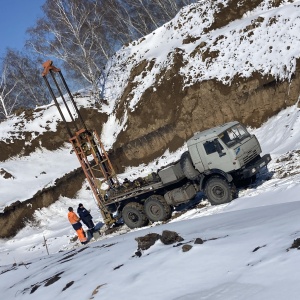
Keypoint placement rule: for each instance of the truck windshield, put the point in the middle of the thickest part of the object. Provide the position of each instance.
(234, 135)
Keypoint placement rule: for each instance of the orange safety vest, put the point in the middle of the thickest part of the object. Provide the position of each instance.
(73, 218)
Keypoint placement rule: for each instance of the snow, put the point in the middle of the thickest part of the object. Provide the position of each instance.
(33, 173)
(280, 135)
(246, 251)
(111, 129)
(244, 255)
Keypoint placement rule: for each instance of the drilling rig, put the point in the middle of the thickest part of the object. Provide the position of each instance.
(216, 161)
(86, 143)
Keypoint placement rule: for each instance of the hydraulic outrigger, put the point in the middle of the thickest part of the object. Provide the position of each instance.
(86, 144)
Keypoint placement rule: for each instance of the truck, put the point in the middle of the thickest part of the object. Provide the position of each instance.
(217, 161)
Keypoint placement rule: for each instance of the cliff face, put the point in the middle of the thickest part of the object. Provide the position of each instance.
(216, 61)
(201, 106)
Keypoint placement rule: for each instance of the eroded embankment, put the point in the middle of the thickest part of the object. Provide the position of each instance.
(17, 214)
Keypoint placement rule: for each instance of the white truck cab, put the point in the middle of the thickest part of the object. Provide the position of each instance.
(229, 148)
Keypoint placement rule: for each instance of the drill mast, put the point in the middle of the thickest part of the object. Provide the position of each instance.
(86, 143)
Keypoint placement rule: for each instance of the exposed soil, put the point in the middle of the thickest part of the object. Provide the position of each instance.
(174, 115)
(49, 140)
(235, 10)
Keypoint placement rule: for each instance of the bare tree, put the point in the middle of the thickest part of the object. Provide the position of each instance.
(73, 31)
(7, 103)
(143, 16)
(23, 73)
(85, 34)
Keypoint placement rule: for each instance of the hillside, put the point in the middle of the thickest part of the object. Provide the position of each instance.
(216, 61)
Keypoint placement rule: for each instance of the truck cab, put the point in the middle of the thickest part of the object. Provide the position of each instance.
(229, 148)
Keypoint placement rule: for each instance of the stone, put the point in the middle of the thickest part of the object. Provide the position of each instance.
(170, 237)
(186, 248)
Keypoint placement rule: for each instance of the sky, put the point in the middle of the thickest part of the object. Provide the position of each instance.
(246, 252)
(16, 16)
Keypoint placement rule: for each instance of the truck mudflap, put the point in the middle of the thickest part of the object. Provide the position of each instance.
(253, 169)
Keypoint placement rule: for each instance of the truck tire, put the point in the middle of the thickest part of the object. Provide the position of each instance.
(219, 191)
(157, 209)
(134, 216)
(187, 166)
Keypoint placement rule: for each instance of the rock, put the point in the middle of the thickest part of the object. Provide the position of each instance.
(5, 174)
(145, 242)
(170, 237)
(186, 248)
(296, 243)
(198, 241)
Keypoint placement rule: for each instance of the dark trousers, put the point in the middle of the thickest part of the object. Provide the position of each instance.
(89, 224)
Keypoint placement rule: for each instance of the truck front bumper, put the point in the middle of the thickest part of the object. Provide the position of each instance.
(256, 167)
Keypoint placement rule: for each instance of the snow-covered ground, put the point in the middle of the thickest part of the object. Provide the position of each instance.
(245, 253)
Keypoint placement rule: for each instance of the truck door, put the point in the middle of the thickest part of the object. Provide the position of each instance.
(216, 156)
(196, 158)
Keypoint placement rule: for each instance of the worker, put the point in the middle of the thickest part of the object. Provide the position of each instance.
(75, 222)
(85, 217)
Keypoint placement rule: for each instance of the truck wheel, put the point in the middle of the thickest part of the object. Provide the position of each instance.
(187, 166)
(157, 209)
(134, 216)
(219, 191)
